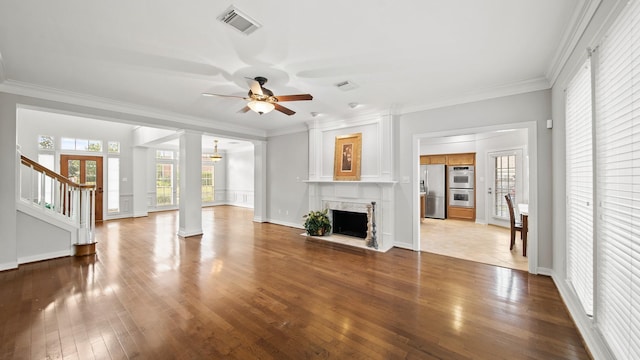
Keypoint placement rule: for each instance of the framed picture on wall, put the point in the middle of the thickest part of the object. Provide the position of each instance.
(346, 165)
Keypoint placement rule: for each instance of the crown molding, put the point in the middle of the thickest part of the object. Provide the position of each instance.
(572, 34)
(492, 93)
(365, 119)
(51, 94)
(287, 131)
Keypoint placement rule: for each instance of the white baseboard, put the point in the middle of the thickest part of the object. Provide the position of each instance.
(140, 214)
(185, 233)
(402, 245)
(285, 223)
(594, 342)
(119, 216)
(545, 271)
(8, 266)
(48, 256)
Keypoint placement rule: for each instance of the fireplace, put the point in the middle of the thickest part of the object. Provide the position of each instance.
(359, 198)
(350, 223)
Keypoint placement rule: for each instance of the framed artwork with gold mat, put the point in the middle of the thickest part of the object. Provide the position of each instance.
(346, 165)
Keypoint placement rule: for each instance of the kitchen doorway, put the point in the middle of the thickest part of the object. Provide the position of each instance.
(486, 238)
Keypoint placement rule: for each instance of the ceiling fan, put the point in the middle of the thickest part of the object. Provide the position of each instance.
(262, 100)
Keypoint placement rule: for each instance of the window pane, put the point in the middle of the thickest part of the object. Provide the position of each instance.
(47, 161)
(164, 154)
(68, 144)
(95, 145)
(114, 147)
(164, 184)
(45, 142)
(113, 185)
(82, 144)
(505, 178)
(207, 183)
(90, 172)
(74, 171)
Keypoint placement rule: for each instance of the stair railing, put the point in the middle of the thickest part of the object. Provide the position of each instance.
(58, 196)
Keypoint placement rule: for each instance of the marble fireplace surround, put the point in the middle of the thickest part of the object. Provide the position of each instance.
(356, 207)
(356, 196)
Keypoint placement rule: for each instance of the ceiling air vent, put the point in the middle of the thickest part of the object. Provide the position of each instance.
(346, 85)
(239, 21)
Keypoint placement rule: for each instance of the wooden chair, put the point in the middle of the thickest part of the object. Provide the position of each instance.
(516, 225)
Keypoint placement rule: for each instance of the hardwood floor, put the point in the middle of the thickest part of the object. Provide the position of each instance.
(245, 290)
(467, 240)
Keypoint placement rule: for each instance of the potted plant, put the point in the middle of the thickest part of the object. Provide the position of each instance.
(317, 222)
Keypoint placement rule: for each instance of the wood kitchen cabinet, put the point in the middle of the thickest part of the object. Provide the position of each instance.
(422, 199)
(461, 159)
(455, 212)
(433, 159)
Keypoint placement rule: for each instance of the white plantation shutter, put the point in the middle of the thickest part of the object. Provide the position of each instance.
(579, 176)
(618, 184)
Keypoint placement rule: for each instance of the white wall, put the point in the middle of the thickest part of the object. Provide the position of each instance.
(523, 108)
(41, 240)
(32, 123)
(240, 179)
(370, 162)
(287, 166)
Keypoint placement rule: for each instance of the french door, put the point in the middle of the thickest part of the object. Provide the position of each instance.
(84, 170)
(505, 169)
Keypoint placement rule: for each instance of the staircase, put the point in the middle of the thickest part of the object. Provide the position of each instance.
(56, 216)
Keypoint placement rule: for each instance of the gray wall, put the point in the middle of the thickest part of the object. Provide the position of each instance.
(287, 167)
(8, 245)
(529, 107)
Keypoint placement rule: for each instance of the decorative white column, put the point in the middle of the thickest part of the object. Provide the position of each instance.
(190, 174)
(260, 181)
(140, 203)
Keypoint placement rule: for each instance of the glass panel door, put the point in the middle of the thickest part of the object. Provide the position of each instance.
(86, 170)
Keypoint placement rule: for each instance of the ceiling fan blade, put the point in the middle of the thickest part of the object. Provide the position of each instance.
(283, 109)
(231, 96)
(256, 89)
(244, 109)
(298, 97)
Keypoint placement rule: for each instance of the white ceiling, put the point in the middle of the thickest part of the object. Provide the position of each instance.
(403, 55)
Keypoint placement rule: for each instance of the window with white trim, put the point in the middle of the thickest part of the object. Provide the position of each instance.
(113, 185)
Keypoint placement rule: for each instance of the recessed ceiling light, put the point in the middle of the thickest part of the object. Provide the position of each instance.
(353, 105)
(346, 85)
(314, 114)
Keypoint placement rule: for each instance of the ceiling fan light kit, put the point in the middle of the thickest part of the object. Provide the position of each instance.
(261, 107)
(262, 100)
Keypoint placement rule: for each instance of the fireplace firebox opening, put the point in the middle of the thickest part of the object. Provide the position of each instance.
(350, 223)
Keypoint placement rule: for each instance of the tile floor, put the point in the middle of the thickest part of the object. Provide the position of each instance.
(467, 240)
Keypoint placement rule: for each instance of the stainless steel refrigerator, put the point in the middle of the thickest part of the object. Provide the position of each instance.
(434, 177)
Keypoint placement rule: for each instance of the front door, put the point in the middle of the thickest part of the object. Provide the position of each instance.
(84, 170)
